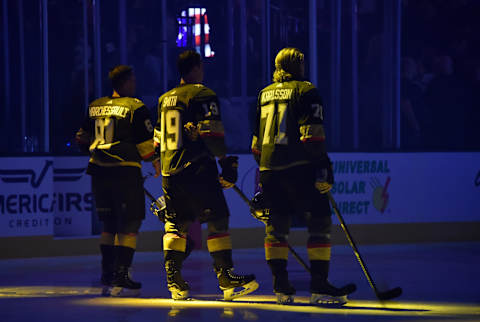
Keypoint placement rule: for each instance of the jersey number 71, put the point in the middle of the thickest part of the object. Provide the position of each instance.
(273, 118)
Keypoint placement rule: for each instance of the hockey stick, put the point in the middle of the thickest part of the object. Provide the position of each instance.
(249, 203)
(382, 296)
(152, 198)
(155, 205)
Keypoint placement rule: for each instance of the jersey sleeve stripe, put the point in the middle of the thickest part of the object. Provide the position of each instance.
(312, 132)
(146, 149)
(148, 156)
(211, 128)
(314, 140)
(217, 135)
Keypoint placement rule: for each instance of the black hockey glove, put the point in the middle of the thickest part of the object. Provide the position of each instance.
(82, 140)
(324, 180)
(159, 208)
(258, 208)
(229, 174)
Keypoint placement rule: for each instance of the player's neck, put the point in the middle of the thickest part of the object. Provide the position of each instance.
(116, 94)
(189, 80)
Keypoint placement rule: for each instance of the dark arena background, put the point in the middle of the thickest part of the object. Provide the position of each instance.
(400, 81)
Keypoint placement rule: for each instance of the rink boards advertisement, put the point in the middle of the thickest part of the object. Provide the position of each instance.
(376, 188)
(26, 196)
(74, 199)
(45, 196)
(52, 195)
(407, 187)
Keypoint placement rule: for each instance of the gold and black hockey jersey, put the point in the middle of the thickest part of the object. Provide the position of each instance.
(289, 126)
(185, 107)
(118, 132)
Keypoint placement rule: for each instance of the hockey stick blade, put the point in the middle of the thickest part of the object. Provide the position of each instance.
(382, 296)
(390, 294)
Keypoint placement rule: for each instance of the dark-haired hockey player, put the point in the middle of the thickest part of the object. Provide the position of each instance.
(118, 134)
(189, 135)
(295, 173)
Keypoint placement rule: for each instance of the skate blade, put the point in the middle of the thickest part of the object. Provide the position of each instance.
(230, 294)
(284, 299)
(106, 290)
(325, 299)
(119, 291)
(179, 295)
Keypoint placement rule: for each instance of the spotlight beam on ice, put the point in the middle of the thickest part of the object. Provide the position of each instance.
(90, 296)
(267, 303)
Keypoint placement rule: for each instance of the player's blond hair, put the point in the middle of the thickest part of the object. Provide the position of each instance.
(287, 65)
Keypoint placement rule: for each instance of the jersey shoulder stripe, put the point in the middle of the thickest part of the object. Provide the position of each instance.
(305, 86)
(205, 91)
(108, 100)
(136, 104)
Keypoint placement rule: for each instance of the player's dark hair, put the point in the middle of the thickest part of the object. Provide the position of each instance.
(187, 61)
(119, 74)
(287, 65)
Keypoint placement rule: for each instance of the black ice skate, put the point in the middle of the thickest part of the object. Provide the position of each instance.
(284, 291)
(325, 293)
(123, 285)
(107, 280)
(175, 283)
(228, 281)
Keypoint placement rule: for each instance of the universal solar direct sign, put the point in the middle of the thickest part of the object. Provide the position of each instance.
(40, 197)
(376, 188)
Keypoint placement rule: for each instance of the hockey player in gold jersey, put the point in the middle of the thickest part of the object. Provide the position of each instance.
(295, 175)
(118, 135)
(189, 136)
